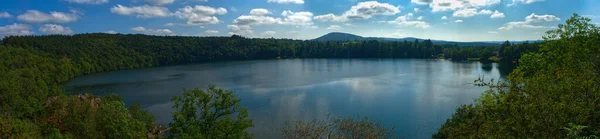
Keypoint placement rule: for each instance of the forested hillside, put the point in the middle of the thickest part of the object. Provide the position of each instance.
(553, 93)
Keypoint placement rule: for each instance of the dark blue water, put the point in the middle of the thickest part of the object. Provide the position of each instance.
(416, 96)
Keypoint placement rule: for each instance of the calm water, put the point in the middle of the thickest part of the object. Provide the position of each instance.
(416, 96)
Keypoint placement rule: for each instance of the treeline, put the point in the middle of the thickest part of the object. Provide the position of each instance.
(553, 93)
(505, 53)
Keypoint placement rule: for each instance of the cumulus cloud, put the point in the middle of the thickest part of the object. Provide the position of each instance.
(470, 12)
(211, 32)
(514, 2)
(497, 14)
(529, 20)
(416, 10)
(153, 31)
(55, 29)
(420, 18)
(88, 1)
(240, 29)
(268, 33)
(286, 1)
(458, 21)
(242, 24)
(452, 5)
(15, 30)
(144, 11)
(259, 11)
(34, 16)
(111, 32)
(5, 15)
(330, 17)
(363, 10)
(159, 2)
(405, 21)
(200, 15)
(334, 27)
(422, 2)
(297, 18)
(444, 17)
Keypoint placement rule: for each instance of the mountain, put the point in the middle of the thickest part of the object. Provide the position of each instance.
(340, 36)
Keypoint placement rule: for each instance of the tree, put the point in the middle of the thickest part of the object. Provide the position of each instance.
(214, 113)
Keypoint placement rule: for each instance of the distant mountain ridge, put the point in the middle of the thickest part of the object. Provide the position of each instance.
(340, 36)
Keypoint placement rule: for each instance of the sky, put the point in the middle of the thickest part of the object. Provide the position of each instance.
(453, 20)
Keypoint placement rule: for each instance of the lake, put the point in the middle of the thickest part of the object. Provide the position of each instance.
(416, 96)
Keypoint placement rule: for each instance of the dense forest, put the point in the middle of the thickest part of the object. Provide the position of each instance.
(33, 104)
(553, 93)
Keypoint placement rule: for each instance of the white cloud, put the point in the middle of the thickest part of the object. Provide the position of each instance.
(144, 11)
(492, 32)
(169, 24)
(256, 20)
(485, 12)
(334, 27)
(242, 24)
(405, 21)
(34, 16)
(88, 1)
(286, 1)
(111, 32)
(233, 9)
(514, 2)
(268, 33)
(260, 11)
(159, 2)
(15, 29)
(200, 15)
(297, 18)
(458, 21)
(240, 29)
(330, 17)
(211, 32)
(444, 17)
(416, 10)
(421, 2)
(541, 18)
(55, 29)
(529, 20)
(363, 10)
(153, 31)
(5, 15)
(348, 24)
(470, 12)
(452, 5)
(420, 18)
(497, 14)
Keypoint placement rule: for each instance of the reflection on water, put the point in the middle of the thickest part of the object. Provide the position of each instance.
(416, 96)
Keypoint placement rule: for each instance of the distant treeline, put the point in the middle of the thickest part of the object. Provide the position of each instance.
(32, 103)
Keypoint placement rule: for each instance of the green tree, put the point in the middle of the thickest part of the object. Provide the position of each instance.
(554, 88)
(214, 113)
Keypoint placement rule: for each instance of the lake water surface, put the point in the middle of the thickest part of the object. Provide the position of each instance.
(416, 96)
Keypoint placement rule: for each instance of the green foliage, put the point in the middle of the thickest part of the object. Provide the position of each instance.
(334, 127)
(551, 88)
(16, 128)
(214, 113)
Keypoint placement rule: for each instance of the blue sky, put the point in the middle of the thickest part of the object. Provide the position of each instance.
(457, 20)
